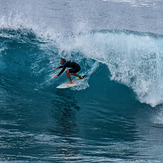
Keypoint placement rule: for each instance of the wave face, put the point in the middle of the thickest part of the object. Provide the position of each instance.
(133, 59)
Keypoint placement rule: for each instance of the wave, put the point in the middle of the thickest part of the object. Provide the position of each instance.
(135, 3)
(132, 58)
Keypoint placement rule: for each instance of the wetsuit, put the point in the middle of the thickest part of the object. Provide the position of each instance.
(75, 67)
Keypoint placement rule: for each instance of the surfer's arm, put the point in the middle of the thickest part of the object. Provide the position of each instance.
(62, 70)
(58, 67)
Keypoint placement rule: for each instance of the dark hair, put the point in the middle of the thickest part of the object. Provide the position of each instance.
(63, 60)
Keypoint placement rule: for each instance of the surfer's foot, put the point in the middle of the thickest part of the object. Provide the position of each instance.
(70, 82)
(81, 77)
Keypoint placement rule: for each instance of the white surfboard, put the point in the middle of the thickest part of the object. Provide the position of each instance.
(75, 82)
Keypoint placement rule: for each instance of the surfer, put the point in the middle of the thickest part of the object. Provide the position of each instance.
(75, 68)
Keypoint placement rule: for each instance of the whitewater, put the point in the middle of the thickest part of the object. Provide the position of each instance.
(115, 114)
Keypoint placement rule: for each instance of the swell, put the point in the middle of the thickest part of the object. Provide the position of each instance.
(132, 58)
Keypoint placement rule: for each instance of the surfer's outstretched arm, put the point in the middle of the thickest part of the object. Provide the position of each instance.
(63, 68)
(60, 72)
(58, 67)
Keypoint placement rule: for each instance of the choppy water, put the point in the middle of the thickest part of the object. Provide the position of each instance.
(115, 114)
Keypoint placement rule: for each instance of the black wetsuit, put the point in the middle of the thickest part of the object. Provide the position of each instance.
(75, 67)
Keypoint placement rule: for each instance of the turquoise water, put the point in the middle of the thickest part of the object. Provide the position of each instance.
(114, 115)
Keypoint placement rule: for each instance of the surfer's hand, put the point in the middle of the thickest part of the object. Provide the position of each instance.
(56, 68)
(55, 76)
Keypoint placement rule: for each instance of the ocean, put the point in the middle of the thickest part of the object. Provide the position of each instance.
(115, 114)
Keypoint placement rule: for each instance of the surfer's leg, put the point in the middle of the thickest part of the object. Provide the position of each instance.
(74, 72)
(68, 75)
(77, 75)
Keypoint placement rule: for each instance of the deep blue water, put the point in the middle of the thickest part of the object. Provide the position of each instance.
(115, 114)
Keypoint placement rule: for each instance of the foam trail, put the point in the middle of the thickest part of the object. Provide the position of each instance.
(84, 83)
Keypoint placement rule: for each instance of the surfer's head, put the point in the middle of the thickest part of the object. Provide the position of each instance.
(62, 61)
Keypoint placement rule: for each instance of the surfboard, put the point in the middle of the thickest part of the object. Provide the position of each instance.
(75, 82)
